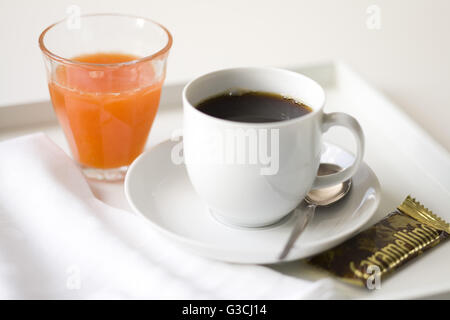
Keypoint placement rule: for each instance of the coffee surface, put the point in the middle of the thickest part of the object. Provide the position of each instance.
(253, 107)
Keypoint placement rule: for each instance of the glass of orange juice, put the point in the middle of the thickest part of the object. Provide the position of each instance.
(105, 73)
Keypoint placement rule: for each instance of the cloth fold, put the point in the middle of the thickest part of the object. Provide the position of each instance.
(57, 241)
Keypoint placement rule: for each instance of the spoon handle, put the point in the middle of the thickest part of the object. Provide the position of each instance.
(304, 215)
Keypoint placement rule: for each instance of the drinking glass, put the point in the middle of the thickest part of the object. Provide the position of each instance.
(105, 73)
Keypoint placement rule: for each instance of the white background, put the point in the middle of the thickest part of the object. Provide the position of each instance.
(408, 58)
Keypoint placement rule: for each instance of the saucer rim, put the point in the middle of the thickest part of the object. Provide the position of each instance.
(204, 245)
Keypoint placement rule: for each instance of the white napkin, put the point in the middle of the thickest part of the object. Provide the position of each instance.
(57, 241)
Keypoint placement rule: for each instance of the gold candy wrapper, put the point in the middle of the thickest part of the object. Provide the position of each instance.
(398, 238)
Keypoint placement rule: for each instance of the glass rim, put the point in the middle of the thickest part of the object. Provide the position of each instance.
(58, 58)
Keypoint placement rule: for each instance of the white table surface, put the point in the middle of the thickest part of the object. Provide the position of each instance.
(407, 58)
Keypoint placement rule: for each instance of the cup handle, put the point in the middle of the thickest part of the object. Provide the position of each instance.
(344, 120)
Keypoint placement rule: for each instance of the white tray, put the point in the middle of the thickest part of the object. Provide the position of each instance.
(404, 157)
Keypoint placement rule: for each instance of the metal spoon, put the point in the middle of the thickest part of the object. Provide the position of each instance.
(316, 198)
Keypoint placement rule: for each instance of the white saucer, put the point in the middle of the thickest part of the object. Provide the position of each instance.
(161, 191)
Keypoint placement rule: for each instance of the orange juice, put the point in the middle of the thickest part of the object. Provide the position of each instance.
(106, 111)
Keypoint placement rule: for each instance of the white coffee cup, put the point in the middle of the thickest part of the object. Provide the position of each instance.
(258, 193)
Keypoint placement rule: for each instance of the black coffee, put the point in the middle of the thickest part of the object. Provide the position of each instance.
(251, 106)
